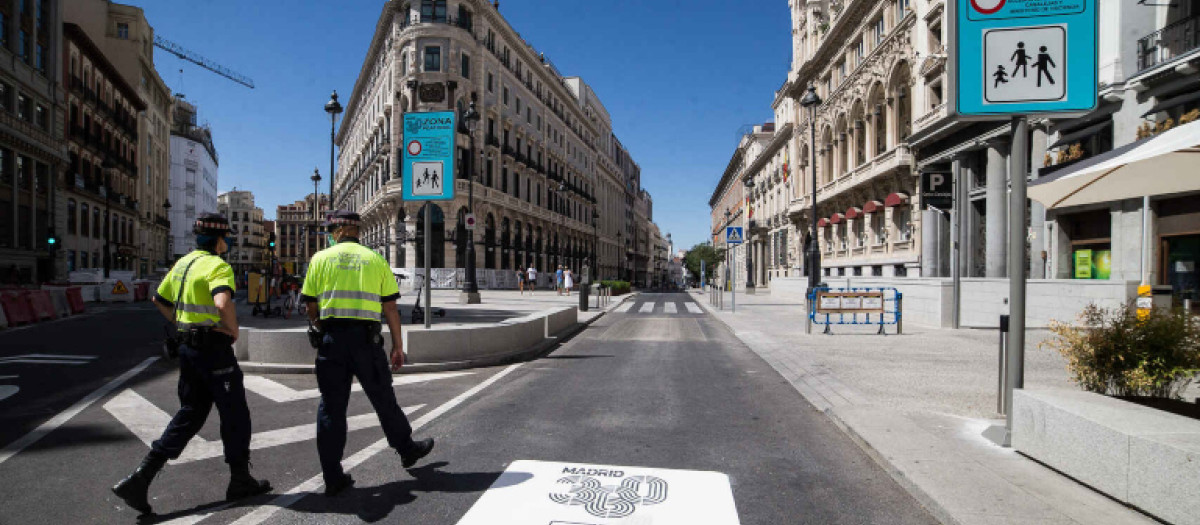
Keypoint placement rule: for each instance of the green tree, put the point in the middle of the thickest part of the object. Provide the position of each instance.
(703, 252)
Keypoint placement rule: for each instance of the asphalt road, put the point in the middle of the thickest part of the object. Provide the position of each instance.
(652, 387)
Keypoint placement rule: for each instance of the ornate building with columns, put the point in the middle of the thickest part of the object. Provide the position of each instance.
(858, 55)
(551, 183)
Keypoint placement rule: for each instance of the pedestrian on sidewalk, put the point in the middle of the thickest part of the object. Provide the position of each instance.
(348, 288)
(558, 280)
(521, 281)
(532, 278)
(568, 280)
(197, 298)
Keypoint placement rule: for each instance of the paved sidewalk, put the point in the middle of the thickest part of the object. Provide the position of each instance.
(918, 403)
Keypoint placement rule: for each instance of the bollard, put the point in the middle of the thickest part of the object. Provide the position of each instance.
(899, 313)
(1001, 369)
(583, 297)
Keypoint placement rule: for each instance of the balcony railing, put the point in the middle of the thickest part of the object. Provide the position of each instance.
(1176, 39)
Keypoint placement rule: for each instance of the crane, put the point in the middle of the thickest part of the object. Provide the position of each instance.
(190, 56)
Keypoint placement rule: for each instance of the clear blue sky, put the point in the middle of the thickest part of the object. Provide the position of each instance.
(678, 76)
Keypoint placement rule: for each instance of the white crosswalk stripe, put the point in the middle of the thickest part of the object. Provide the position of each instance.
(694, 308)
(647, 307)
(624, 307)
(670, 308)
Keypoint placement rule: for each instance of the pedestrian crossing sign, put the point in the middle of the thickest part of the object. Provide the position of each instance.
(733, 235)
(119, 288)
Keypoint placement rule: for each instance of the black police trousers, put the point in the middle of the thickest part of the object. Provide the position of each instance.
(348, 351)
(209, 374)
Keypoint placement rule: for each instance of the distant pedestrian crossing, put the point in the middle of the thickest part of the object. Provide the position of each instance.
(660, 306)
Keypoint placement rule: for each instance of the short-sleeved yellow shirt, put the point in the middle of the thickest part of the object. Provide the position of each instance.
(209, 276)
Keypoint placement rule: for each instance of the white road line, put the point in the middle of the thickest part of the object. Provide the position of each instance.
(48, 356)
(41, 362)
(670, 308)
(624, 307)
(7, 391)
(281, 393)
(147, 422)
(45, 428)
(646, 308)
(693, 308)
(264, 512)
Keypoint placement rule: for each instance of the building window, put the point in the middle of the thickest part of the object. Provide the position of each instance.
(518, 106)
(433, 58)
(70, 260)
(24, 108)
(491, 83)
(41, 118)
(880, 30)
(4, 29)
(39, 57)
(433, 10)
(466, 66)
(504, 96)
(96, 223)
(123, 31)
(23, 46)
(71, 217)
(901, 9)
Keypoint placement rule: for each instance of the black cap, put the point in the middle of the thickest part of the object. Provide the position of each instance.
(338, 218)
(211, 224)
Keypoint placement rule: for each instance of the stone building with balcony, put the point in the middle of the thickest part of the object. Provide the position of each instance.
(248, 249)
(127, 41)
(297, 232)
(102, 224)
(727, 206)
(859, 56)
(551, 183)
(32, 157)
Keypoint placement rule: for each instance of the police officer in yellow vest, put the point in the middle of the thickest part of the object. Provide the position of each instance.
(353, 287)
(197, 296)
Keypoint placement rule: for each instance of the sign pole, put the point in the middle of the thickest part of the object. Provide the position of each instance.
(1018, 165)
(959, 187)
(428, 260)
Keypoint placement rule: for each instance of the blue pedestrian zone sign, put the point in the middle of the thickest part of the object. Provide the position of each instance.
(428, 156)
(1023, 57)
(733, 235)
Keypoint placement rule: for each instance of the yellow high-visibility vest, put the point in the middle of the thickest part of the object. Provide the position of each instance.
(349, 281)
(209, 276)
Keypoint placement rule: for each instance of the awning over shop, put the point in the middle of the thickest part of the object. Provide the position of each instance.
(895, 199)
(837, 218)
(1172, 102)
(1084, 133)
(1162, 165)
(872, 206)
(823, 222)
(853, 212)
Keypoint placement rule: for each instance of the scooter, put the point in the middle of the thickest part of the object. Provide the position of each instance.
(418, 312)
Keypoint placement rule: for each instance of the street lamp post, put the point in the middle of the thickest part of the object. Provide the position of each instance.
(470, 291)
(747, 238)
(316, 212)
(810, 100)
(621, 257)
(334, 109)
(595, 243)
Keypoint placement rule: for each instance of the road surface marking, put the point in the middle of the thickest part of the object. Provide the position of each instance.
(47, 359)
(693, 308)
(670, 308)
(558, 492)
(646, 308)
(147, 422)
(281, 393)
(314, 483)
(62, 417)
(7, 391)
(624, 307)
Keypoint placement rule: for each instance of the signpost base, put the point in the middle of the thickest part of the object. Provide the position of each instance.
(999, 435)
(469, 298)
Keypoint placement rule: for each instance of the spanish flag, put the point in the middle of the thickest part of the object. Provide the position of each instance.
(785, 165)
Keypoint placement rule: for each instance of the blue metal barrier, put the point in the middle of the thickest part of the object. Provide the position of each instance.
(850, 310)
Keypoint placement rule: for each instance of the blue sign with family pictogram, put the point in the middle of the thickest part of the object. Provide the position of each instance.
(427, 165)
(1022, 57)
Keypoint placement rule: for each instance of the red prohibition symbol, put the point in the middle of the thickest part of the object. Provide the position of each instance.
(987, 7)
(414, 148)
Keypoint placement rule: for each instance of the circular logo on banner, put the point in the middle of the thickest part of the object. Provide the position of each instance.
(987, 7)
(414, 148)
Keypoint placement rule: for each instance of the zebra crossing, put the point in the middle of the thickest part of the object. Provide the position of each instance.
(659, 306)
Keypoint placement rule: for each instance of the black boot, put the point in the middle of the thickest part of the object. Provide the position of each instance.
(416, 451)
(242, 484)
(134, 489)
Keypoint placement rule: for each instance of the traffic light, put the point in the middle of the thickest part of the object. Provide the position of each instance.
(271, 241)
(51, 239)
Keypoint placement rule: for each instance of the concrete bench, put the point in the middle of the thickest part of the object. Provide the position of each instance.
(1144, 457)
